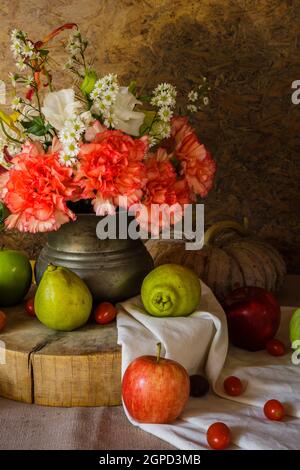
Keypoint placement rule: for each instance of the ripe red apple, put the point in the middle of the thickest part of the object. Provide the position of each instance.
(155, 390)
(253, 316)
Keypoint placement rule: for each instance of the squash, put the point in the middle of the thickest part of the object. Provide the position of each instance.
(230, 258)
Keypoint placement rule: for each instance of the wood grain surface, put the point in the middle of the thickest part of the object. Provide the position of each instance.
(46, 367)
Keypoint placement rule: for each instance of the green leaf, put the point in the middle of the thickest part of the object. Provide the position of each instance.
(132, 87)
(144, 98)
(176, 164)
(36, 126)
(4, 212)
(43, 52)
(148, 121)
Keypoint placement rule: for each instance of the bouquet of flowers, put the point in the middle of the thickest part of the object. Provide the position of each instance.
(97, 141)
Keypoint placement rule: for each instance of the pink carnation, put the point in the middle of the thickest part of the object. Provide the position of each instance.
(36, 190)
(163, 190)
(111, 169)
(197, 165)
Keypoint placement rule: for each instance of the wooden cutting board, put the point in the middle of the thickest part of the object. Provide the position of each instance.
(46, 367)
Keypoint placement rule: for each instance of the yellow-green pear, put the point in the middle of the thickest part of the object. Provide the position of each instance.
(62, 300)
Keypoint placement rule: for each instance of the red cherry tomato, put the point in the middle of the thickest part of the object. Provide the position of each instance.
(2, 320)
(29, 307)
(105, 313)
(233, 386)
(218, 436)
(274, 410)
(275, 347)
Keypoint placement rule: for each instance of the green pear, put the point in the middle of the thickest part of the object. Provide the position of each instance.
(171, 290)
(62, 300)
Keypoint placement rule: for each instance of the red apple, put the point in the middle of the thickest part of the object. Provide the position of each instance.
(253, 316)
(155, 390)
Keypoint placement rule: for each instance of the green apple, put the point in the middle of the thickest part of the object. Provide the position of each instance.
(15, 277)
(295, 326)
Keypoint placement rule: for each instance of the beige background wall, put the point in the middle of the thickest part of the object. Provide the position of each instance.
(249, 50)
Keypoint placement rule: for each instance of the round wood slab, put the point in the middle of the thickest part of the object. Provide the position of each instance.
(46, 367)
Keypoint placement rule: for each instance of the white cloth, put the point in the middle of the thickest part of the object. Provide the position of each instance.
(199, 342)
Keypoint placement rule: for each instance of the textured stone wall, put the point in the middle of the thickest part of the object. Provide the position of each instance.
(250, 52)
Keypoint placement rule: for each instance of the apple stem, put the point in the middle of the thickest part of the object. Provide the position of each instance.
(158, 351)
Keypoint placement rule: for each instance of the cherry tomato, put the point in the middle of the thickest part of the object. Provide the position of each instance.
(105, 313)
(218, 436)
(199, 385)
(274, 410)
(2, 320)
(233, 386)
(29, 307)
(275, 347)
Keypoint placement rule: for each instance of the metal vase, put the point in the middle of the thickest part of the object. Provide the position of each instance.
(113, 269)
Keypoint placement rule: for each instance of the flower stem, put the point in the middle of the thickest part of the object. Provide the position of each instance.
(158, 351)
(8, 135)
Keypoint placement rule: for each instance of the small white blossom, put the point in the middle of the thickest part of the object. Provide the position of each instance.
(109, 121)
(73, 49)
(164, 95)
(13, 78)
(86, 117)
(192, 108)
(69, 137)
(28, 81)
(193, 96)
(71, 149)
(159, 131)
(16, 103)
(69, 64)
(79, 127)
(21, 64)
(28, 49)
(152, 141)
(165, 113)
(67, 160)
(66, 137)
(15, 33)
(206, 101)
(16, 48)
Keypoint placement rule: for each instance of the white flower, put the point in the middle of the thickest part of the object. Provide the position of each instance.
(14, 34)
(74, 49)
(164, 95)
(67, 160)
(21, 65)
(60, 106)
(2, 92)
(153, 141)
(205, 100)
(16, 48)
(192, 108)
(28, 81)
(79, 127)
(106, 86)
(193, 96)
(124, 116)
(72, 149)
(165, 113)
(16, 103)
(86, 117)
(28, 49)
(13, 78)
(160, 130)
